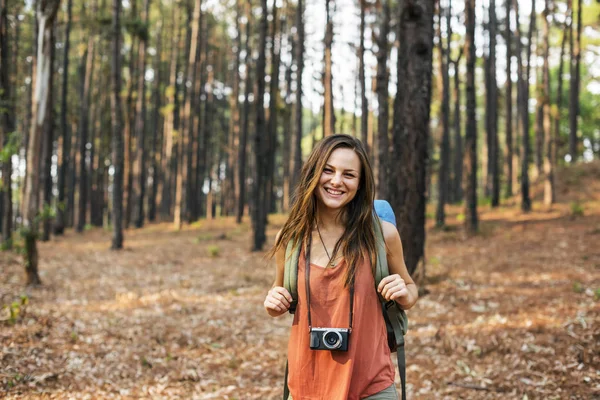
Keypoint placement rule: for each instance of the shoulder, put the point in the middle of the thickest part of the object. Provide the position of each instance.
(390, 233)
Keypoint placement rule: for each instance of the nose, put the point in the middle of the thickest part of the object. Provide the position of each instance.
(336, 179)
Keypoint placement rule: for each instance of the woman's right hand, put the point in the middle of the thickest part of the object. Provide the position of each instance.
(277, 301)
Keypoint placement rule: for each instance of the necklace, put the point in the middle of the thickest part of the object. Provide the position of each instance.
(330, 262)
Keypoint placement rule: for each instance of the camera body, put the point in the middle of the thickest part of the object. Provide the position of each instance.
(329, 339)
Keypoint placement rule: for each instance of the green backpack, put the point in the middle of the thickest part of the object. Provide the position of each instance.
(395, 318)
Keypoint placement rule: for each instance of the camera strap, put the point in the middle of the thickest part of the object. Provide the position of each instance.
(307, 275)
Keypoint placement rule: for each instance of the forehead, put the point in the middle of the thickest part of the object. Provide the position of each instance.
(344, 158)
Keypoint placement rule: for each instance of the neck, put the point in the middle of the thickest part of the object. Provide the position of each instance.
(329, 219)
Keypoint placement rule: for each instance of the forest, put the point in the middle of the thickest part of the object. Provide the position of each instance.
(149, 152)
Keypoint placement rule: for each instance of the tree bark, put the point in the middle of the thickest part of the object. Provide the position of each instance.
(364, 106)
(457, 188)
(509, 102)
(65, 153)
(182, 174)
(493, 104)
(440, 215)
(328, 110)
(549, 194)
(382, 98)
(139, 167)
(41, 102)
(242, 151)
(7, 120)
(260, 145)
(274, 101)
(470, 166)
(84, 131)
(559, 91)
(411, 127)
(574, 87)
(117, 134)
(297, 146)
(526, 150)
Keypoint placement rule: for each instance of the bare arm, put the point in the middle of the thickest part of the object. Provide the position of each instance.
(398, 286)
(278, 299)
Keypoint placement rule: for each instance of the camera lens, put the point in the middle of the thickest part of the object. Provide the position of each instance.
(332, 339)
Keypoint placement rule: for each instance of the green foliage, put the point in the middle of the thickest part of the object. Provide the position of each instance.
(213, 250)
(576, 209)
(460, 217)
(11, 147)
(597, 294)
(578, 287)
(16, 309)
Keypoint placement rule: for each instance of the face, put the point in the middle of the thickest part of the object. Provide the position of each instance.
(340, 179)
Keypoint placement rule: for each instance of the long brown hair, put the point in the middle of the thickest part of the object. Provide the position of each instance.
(358, 238)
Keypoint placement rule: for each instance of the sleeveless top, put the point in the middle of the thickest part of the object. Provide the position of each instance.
(366, 368)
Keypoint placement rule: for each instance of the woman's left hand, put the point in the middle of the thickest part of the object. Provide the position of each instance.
(393, 287)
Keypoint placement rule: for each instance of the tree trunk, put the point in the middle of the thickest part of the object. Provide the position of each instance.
(382, 98)
(559, 91)
(549, 194)
(297, 148)
(364, 106)
(260, 145)
(182, 174)
(288, 129)
(156, 155)
(242, 151)
(41, 102)
(274, 100)
(65, 153)
(470, 166)
(48, 137)
(411, 127)
(574, 87)
(494, 167)
(457, 189)
(83, 131)
(440, 216)
(328, 111)
(117, 134)
(509, 103)
(7, 109)
(139, 170)
(526, 150)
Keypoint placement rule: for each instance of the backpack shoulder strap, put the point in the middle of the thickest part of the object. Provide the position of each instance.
(290, 272)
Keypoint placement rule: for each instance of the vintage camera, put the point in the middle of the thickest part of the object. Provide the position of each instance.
(329, 339)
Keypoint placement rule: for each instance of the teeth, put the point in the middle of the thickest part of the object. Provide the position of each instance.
(334, 191)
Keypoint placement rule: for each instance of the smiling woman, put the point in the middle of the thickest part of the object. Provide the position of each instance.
(338, 302)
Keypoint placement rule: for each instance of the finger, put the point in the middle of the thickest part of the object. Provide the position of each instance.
(283, 291)
(281, 298)
(270, 304)
(399, 294)
(392, 288)
(384, 282)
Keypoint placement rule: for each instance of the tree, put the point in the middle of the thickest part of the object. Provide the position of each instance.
(440, 216)
(65, 153)
(493, 159)
(297, 148)
(508, 102)
(328, 111)
(574, 84)
(549, 194)
(6, 129)
(139, 170)
(117, 134)
(411, 126)
(457, 165)
(364, 106)
(84, 127)
(260, 145)
(470, 166)
(45, 15)
(382, 98)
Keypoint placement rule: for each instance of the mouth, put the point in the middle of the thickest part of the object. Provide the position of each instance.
(334, 192)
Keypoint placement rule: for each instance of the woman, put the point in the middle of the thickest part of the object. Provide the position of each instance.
(332, 216)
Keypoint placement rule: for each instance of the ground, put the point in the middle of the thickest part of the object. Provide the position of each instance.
(512, 313)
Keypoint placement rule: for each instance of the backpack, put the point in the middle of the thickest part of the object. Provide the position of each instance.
(395, 318)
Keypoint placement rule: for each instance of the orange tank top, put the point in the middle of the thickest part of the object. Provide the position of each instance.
(366, 368)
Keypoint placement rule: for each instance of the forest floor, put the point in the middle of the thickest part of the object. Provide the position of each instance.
(512, 313)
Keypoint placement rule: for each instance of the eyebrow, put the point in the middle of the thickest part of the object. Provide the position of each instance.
(346, 170)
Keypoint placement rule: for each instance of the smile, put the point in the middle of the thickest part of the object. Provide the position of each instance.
(334, 192)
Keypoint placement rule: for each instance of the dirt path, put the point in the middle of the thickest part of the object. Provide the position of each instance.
(510, 314)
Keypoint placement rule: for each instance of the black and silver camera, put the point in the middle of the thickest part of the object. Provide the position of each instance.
(329, 339)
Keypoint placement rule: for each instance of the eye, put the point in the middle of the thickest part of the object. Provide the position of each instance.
(349, 175)
(327, 170)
